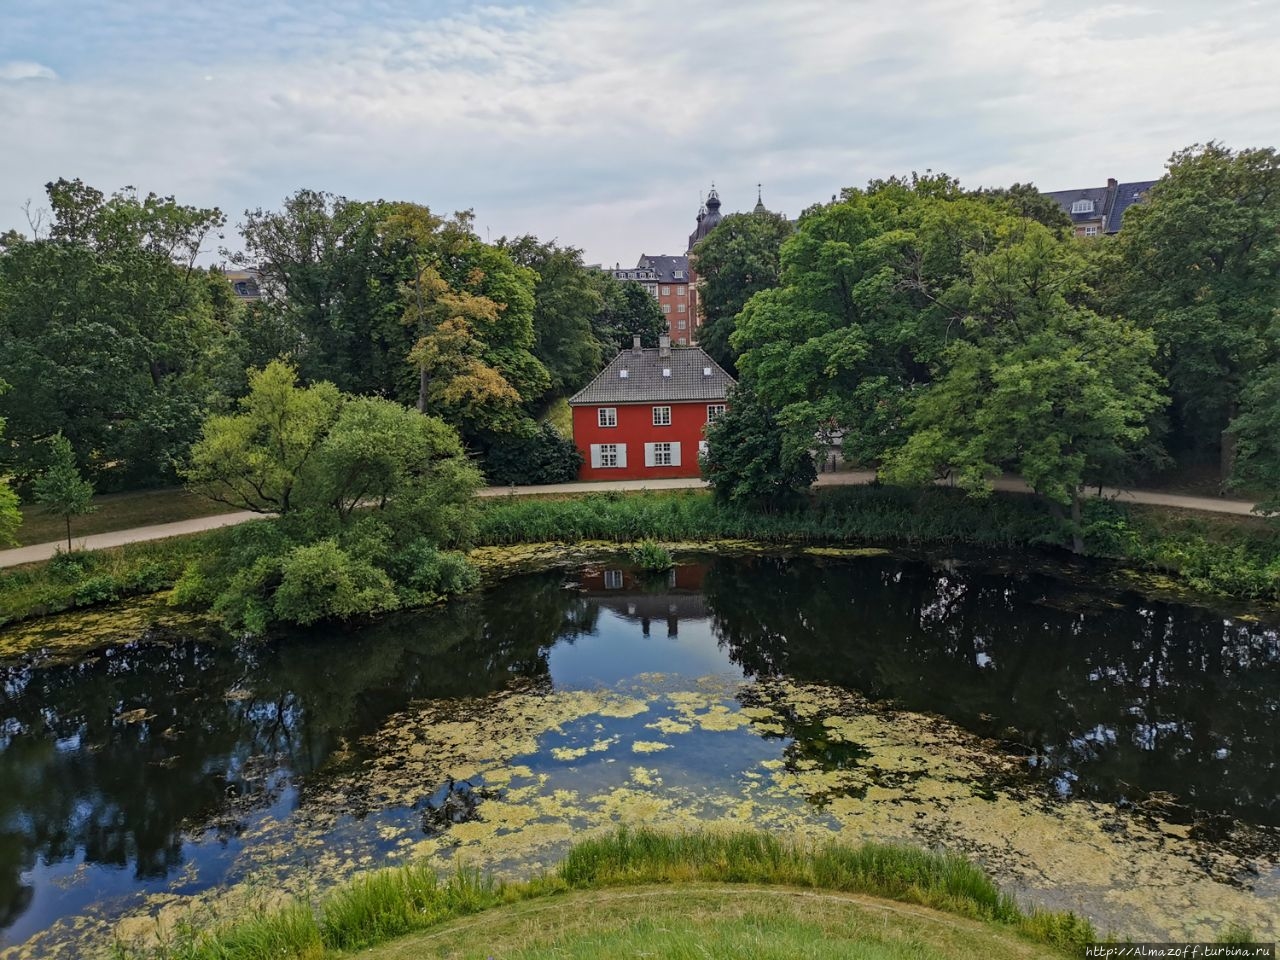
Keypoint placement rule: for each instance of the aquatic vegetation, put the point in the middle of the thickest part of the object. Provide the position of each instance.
(650, 555)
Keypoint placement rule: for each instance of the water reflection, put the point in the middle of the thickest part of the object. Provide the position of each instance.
(148, 756)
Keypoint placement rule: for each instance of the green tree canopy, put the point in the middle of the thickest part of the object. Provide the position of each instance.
(10, 515)
(628, 311)
(111, 335)
(751, 460)
(871, 292)
(1199, 263)
(1039, 386)
(739, 258)
(254, 459)
(566, 300)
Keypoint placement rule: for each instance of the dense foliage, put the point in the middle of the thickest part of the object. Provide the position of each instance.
(10, 517)
(751, 460)
(538, 457)
(366, 492)
(111, 335)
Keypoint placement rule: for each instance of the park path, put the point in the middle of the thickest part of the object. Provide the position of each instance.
(118, 538)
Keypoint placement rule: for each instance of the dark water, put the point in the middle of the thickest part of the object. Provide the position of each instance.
(140, 767)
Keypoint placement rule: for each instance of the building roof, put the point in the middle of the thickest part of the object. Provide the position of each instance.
(1067, 198)
(1109, 202)
(668, 269)
(1127, 194)
(708, 217)
(693, 376)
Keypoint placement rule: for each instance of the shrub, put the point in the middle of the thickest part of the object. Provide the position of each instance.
(542, 456)
(320, 581)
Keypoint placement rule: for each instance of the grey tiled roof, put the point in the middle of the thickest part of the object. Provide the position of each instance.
(1127, 194)
(644, 382)
(666, 267)
(1066, 198)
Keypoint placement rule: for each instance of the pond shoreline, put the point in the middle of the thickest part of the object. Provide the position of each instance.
(82, 629)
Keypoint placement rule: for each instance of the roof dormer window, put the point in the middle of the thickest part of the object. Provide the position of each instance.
(679, 274)
(1082, 206)
(666, 371)
(623, 374)
(706, 371)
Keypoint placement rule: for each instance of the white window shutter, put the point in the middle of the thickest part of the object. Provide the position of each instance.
(622, 455)
(595, 455)
(675, 454)
(648, 454)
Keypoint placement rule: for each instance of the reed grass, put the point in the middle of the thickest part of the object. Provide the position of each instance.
(386, 904)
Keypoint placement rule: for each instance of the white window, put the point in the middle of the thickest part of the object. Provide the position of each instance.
(607, 416)
(680, 289)
(623, 374)
(682, 341)
(605, 456)
(662, 454)
(613, 579)
(714, 412)
(1082, 206)
(1090, 231)
(666, 308)
(666, 291)
(682, 324)
(679, 308)
(680, 276)
(662, 416)
(706, 371)
(703, 447)
(666, 371)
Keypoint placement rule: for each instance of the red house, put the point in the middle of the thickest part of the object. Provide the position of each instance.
(644, 415)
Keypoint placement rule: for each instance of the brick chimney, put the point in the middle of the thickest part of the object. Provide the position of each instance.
(664, 346)
(1111, 183)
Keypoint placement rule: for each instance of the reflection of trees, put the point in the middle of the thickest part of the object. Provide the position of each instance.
(116, 755)
(1157, 696)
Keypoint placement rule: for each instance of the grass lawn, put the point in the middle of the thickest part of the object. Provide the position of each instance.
(117, 511)
(694, 922)
(560, 415)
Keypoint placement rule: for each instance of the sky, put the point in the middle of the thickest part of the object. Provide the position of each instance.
(601, 124)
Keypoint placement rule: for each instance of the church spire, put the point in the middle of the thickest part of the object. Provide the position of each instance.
(760, 207)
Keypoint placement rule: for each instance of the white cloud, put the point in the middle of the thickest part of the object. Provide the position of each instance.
(599, 122)
(15, 70)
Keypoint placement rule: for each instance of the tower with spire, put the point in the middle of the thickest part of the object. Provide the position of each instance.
(708, 218)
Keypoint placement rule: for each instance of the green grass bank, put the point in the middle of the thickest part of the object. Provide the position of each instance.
(380, 907)
(1236, 557)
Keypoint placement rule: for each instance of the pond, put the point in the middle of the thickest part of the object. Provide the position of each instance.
(1095, 749)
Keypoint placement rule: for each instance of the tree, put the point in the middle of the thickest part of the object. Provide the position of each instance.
(1026, 201)
(112, 335)
(1040, 386)
(255, 458)
(738, 259)
(751, 460)
(10, 515)
(1257, 435)
(60, 487)
(566, 300)
(1200, 266)
(872, 288)
(629, 311)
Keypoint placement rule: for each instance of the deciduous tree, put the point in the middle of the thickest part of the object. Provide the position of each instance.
(60, 487)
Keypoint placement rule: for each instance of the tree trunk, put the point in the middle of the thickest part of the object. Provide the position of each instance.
(68, 519)
(422, 390)
(1077, 530)
(1227, 458)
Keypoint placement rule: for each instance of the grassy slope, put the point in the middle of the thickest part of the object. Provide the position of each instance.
(379, 907)
(697, 921)
(117, 511)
